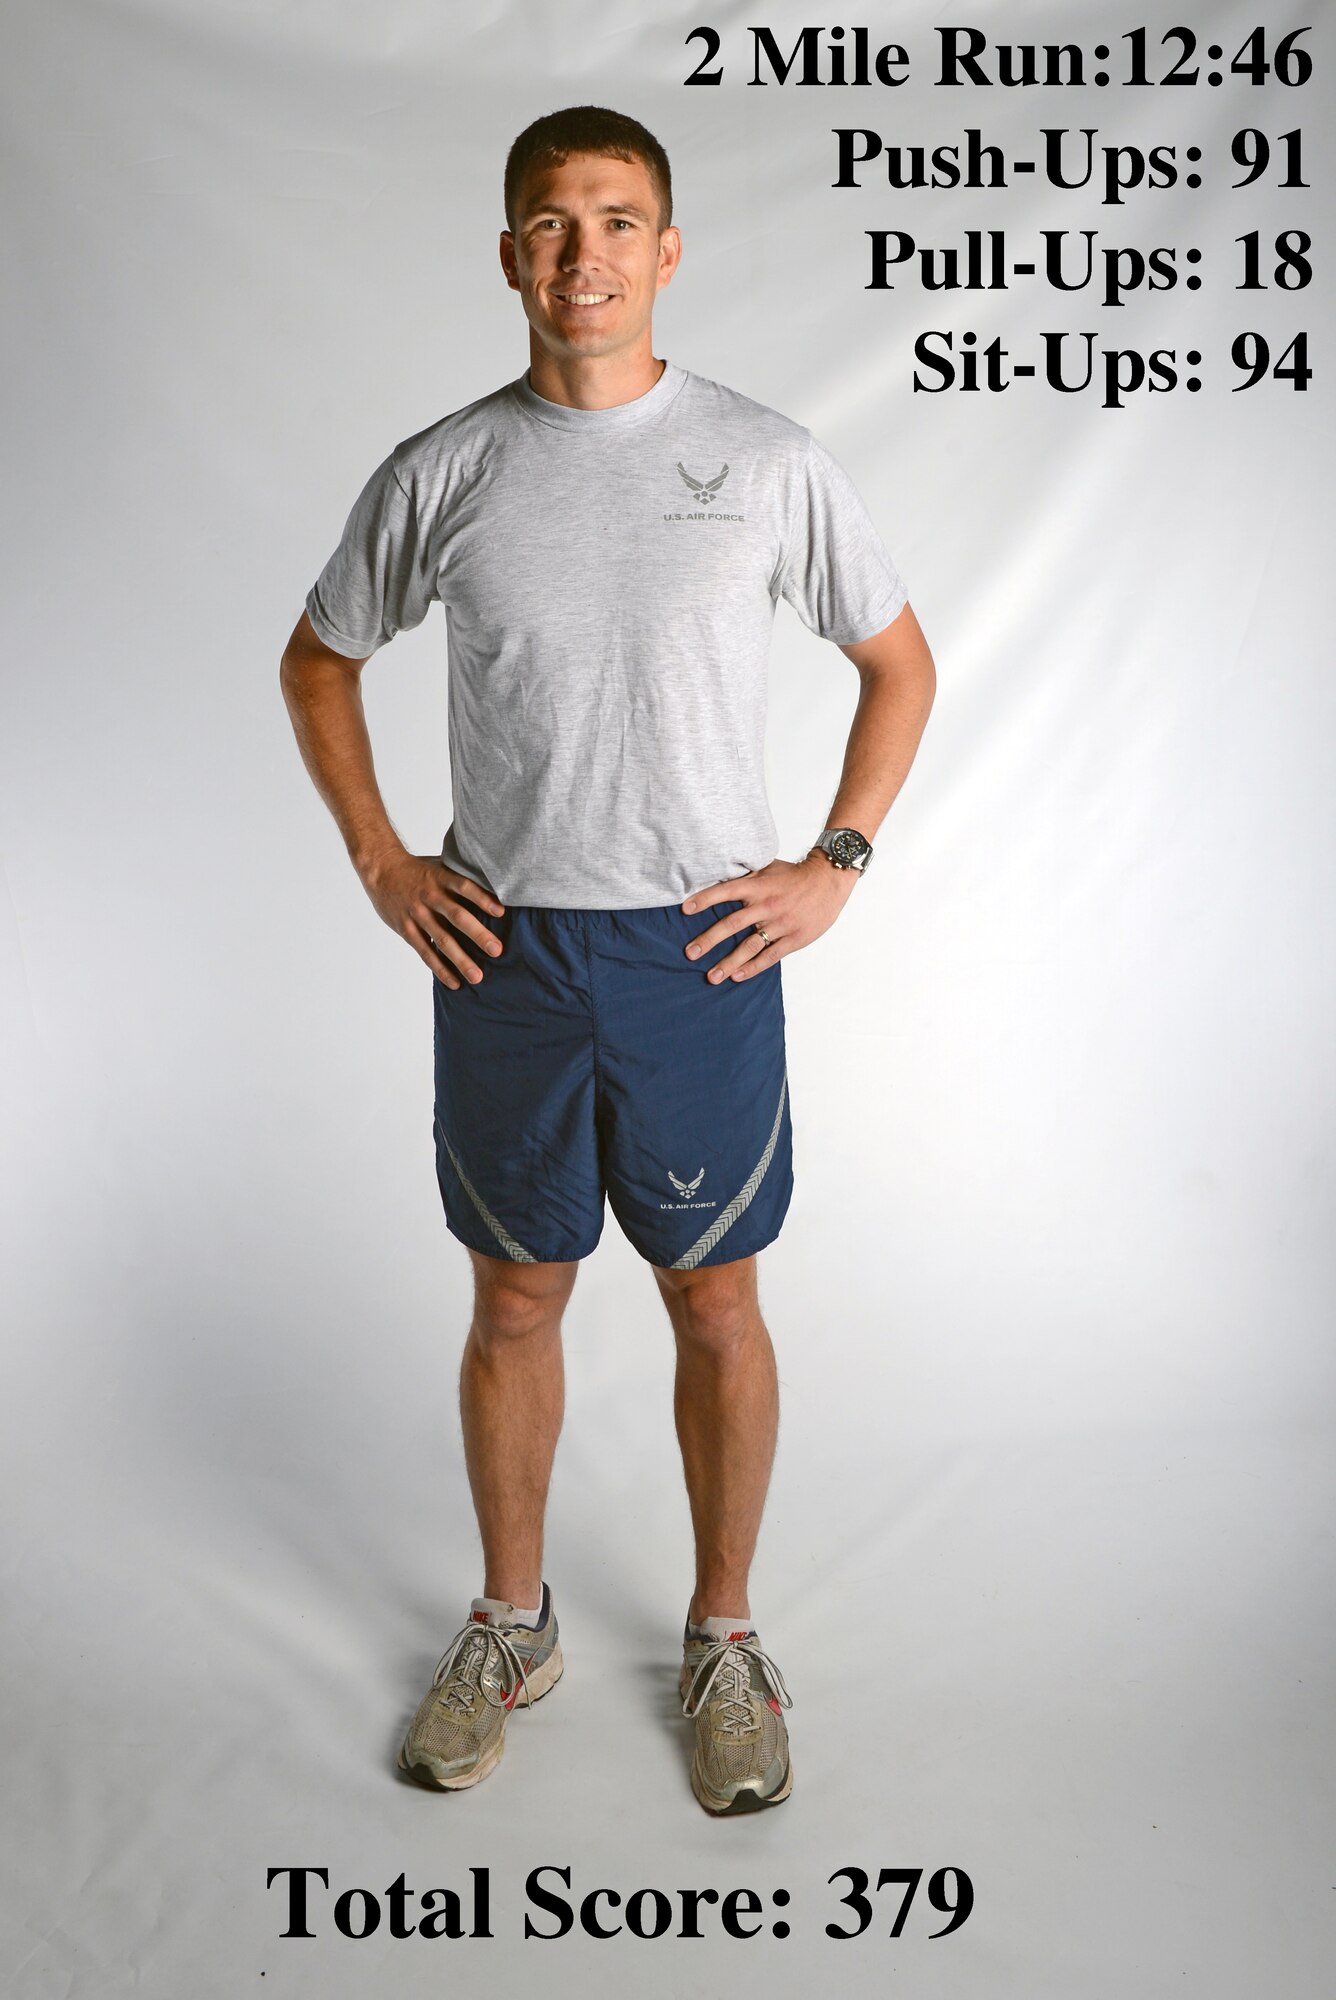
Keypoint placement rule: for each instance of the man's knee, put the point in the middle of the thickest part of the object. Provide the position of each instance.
(515, 1301)
(715, 1305)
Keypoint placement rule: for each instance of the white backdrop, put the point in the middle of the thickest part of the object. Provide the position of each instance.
(1047, 1559)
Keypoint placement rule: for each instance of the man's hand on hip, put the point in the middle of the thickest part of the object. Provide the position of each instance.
(793, 902)
(418, 896)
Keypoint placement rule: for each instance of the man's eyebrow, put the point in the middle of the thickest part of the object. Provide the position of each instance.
(605, 208)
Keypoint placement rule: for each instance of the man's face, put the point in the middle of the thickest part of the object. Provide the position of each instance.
(587, 257)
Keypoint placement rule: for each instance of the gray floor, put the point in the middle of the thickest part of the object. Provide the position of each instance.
(1094, 1672)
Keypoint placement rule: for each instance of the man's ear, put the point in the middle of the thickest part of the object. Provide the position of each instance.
(508, 264)
(670, 253)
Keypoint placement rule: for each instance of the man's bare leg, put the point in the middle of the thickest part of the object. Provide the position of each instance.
(726, 1404)
(511, 1397)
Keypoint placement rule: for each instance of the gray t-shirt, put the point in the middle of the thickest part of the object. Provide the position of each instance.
(609, 580)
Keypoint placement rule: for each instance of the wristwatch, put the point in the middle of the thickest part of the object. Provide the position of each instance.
(845, 847)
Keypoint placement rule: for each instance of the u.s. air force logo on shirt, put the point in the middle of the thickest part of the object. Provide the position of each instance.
(704, 493)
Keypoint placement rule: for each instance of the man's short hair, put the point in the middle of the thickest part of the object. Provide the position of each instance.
(586, 128)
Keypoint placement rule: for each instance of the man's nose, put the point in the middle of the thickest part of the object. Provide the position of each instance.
(579, 249)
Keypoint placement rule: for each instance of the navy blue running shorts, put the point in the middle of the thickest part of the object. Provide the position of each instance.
(595, 1058)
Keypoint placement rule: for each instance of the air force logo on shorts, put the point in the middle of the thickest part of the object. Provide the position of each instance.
(591, 1060)
(686, 1189)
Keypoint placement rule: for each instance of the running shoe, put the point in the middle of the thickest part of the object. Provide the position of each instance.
(736, 1694)
(459, 1731)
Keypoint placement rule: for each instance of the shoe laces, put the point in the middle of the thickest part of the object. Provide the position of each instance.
(725, 1671)
(472, 1664)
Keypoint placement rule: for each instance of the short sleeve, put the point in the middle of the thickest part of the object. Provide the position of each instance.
(377, 581)
(836, 572)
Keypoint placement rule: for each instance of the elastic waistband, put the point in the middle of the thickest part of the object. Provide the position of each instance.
(594, 919)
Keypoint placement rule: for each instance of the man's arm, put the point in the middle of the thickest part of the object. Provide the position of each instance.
(794, 903)
(324, 696)
(415, 894)
(899, 683)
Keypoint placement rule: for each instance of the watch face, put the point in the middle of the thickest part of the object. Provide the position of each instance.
(848, 846)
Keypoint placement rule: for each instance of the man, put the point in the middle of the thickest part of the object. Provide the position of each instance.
(609, 535)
